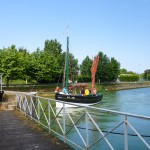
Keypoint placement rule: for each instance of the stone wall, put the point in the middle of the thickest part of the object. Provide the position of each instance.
(121, 86)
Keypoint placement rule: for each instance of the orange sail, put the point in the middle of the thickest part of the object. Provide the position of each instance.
(94, 69)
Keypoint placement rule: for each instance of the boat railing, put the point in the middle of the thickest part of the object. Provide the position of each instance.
(90, 125)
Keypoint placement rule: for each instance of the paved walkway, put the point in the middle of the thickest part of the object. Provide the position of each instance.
(18, 133)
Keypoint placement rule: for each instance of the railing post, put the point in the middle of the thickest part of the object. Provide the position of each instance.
(64, 122)
(38, 111)
(31, 107)
(125, 133)
(49, 116)
(25, 106)
(87, 135)
(20, 102)
(33, 103)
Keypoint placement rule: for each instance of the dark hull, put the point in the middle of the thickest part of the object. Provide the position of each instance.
(91, 99)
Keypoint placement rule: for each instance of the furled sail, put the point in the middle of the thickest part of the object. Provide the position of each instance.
(94, 69)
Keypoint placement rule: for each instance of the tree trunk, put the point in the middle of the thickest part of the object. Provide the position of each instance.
(7, 82)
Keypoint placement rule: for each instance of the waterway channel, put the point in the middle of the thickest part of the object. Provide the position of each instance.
(136, 101)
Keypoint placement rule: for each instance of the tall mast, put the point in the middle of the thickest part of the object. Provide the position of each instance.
(67, 63)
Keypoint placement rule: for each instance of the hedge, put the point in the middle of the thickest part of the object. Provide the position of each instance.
(129, 77)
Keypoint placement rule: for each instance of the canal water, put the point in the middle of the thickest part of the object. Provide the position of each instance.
(136, 101)
(132, 101)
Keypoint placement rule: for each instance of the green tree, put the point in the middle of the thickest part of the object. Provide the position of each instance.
(24, 63)
(51, 60)
(114, 69)
(11, 64)
(123, 71)
(31, 66)
(147, 74)
(103, 70)
(85, 67)
(53, 47)
(108, 69)
(73, 68)
(43, 67)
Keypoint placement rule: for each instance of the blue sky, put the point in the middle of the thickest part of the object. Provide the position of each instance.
(118, 28)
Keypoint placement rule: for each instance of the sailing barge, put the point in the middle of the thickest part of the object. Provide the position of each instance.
(91, 99)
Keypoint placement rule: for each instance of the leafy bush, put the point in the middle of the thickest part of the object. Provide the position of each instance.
(129, 77)
(148, 77)
(83, 79)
